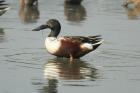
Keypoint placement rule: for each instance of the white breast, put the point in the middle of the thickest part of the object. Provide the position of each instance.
(52, 44)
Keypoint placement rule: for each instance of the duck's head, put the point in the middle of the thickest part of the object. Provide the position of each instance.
(52, 24)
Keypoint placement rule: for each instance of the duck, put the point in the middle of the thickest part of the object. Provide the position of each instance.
(72, 47)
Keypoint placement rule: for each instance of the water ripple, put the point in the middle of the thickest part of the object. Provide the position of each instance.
(119, 54)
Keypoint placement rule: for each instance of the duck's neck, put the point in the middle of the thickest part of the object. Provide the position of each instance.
(55, 32)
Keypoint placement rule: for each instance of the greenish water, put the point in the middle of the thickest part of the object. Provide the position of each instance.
(26, 67)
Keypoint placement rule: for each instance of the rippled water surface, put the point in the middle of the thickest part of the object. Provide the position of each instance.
(26, 67)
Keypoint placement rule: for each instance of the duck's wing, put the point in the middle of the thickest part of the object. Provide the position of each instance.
(83, 39)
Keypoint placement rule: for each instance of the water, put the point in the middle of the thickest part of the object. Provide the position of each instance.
(26, 67)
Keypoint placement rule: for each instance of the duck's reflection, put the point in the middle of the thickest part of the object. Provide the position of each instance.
(61, 68)
(51, 87)
(76, 2)
(1, 35)
(74, 13)
(29, 2)
(133, 13)
(28, 12)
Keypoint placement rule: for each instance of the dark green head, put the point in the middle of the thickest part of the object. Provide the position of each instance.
(52, 24)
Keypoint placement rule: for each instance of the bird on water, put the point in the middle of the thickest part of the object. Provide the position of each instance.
(68, 46)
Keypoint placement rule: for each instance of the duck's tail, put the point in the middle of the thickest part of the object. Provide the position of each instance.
(99, 42)
(7, 8)
(96, 41)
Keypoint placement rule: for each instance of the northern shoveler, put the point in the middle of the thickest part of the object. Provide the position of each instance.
(68, 46)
